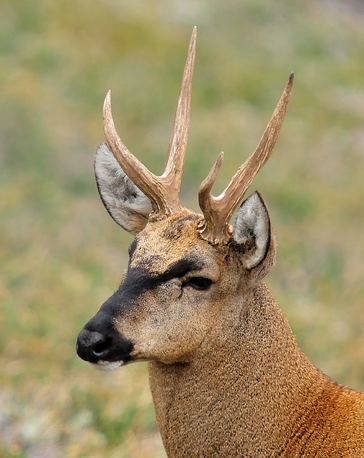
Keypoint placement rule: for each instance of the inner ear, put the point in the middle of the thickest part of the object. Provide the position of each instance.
(127, 204)
(252, 229)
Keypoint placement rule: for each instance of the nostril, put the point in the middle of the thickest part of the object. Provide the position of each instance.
(92, 345)
(101, 348)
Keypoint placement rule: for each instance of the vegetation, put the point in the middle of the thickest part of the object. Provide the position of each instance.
(61, 255)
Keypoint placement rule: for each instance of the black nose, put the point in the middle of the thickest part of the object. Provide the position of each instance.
(93, 346)
(99, 341)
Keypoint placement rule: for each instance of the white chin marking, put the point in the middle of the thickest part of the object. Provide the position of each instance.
(107, 365)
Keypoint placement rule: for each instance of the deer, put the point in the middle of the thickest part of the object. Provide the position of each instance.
(226, 375)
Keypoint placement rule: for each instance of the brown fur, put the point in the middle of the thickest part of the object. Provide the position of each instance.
(227, 377)
(250, 392)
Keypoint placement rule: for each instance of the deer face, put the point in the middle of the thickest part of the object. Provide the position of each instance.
(176, 283)
(164, 306)
(173, 290)
(183, 267)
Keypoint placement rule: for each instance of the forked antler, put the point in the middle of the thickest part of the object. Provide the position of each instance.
(163, 191)
(217, 211)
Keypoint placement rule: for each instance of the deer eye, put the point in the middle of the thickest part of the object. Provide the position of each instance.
(200, 283)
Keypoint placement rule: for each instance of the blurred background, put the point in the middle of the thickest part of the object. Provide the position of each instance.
(61, 255)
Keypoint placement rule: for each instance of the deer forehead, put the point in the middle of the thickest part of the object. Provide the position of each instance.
(167, 242)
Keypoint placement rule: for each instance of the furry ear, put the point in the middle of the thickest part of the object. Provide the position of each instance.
(252, 231)
(126, 204)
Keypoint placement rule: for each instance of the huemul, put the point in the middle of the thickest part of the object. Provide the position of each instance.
(227, 377)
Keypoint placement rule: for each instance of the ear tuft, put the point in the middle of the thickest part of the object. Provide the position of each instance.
(252, 228)
(127, 205)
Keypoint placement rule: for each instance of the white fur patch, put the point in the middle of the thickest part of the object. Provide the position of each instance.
(127, 204)
(252, 221)
(107, 366)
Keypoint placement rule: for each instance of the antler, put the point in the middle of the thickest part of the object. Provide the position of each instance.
(217, 211)
(162, 191)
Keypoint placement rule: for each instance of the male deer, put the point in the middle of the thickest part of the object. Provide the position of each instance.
(227, 377)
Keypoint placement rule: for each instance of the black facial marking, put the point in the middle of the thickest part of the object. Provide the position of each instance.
(180, 268)
(139, 279)
(133, 247)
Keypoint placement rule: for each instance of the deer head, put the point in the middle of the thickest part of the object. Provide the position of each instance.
(184, 267)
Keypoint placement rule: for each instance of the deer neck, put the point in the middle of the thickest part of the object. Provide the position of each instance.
(243, 387)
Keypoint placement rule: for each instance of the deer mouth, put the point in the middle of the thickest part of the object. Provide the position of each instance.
(107, 366)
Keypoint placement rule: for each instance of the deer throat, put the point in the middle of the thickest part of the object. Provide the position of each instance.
(240, 389)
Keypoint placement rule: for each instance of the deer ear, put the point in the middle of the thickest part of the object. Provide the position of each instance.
(253, 232)
(126, 204)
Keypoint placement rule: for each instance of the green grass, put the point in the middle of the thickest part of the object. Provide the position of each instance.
(61, 255)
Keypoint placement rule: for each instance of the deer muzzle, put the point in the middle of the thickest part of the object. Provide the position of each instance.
(100, 344)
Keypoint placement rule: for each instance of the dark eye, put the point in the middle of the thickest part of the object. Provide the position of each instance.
(200, 283)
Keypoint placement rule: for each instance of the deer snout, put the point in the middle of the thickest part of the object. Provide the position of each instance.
(91, 345)
(108, 349)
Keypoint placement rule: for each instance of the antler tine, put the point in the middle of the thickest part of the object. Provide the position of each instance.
(179, 137)
(163, 191)
(218, 210)
(145, 180)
